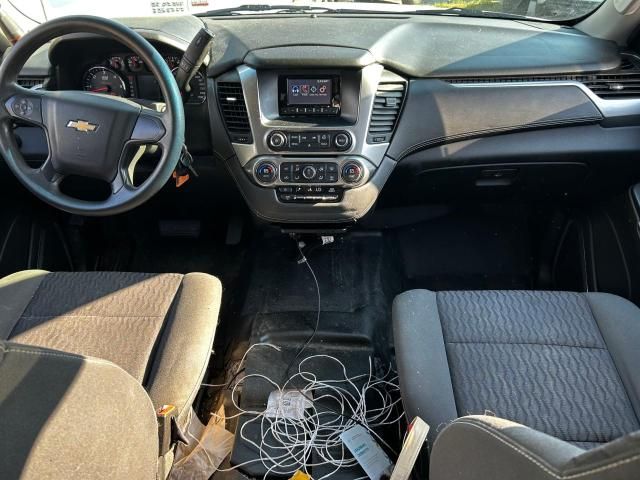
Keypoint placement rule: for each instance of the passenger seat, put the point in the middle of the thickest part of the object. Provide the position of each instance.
(547, 383)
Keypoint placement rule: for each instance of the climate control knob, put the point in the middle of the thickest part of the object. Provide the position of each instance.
(352, 172)
(277, 140)
(342, 141)
(308, 172)
(266, 172)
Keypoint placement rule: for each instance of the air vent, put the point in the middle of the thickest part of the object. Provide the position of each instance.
(624, 82)
(386, 108)
(234, 111)
(30, 82)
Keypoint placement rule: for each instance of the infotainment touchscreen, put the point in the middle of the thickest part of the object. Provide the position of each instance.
(309, 91)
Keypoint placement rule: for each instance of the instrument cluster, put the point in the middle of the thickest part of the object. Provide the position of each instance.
(128, 76)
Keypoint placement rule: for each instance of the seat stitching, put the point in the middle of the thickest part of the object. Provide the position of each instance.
(21, 316)
(514, 446)
(63, 315)
(56, 354)
(526, 343)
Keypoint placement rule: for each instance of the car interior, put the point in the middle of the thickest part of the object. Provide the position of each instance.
(322, 241)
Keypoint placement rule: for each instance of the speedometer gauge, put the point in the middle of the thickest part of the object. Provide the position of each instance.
(197, 88)
(104, 80)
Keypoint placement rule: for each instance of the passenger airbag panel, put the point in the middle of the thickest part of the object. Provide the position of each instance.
(437, 112)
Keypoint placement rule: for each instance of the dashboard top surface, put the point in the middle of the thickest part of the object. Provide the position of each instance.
(445, 46)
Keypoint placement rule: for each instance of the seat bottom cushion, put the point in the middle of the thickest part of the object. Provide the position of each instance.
(536, 358)
(157, 327)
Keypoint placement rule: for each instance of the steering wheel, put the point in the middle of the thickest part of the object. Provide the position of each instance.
(89, 134)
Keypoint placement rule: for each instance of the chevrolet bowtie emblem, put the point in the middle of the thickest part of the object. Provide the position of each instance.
(82, 126)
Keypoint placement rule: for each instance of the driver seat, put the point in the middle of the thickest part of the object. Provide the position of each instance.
(86, 361)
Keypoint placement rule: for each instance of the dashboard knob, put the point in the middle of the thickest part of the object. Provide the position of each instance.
(308, 172)
(266, 172)
(342, 140)
(352, 172)
(277, 140)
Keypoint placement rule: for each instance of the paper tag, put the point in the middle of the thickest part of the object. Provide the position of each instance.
(416, 436)
(367, 452)
(289, 404)
(300, 476)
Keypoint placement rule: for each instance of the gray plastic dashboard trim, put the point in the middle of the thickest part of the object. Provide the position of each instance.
(610, 108)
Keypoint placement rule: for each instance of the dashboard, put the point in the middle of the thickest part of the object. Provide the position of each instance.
(318, 125)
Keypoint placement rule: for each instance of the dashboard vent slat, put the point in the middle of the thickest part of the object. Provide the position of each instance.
(234, 111)
(624, 82)
(30, 82)
(386, 109)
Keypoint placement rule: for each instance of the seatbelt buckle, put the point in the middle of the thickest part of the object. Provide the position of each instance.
(169, 432)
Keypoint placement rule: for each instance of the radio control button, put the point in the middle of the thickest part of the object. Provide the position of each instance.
(277, 140)
(294, 140)
(342, 140)
(324, 139)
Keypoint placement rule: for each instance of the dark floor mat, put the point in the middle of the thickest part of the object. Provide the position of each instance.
(479, 249)
(351, 274)
(29, 240)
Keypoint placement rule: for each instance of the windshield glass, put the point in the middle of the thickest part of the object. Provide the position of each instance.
(28, 13)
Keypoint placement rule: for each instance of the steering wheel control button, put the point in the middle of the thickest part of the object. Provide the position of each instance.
(342, 141)
(352, 172)
(23, 107)
(26, 108)
(266, 172)
(277, 140)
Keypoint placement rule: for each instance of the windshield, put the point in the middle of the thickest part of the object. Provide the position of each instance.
(28, 13)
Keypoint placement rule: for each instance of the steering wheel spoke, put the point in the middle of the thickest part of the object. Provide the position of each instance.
(46, 177)
(150, 127)
(49, 173)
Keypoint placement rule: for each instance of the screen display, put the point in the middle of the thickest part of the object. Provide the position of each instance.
(309, 91)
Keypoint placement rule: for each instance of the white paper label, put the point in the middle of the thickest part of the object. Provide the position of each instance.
(289, 404)
(366, 451)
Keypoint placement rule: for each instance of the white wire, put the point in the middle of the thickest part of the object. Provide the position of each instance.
(288, 444)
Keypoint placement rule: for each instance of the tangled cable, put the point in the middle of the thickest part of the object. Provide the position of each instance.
(333, 406)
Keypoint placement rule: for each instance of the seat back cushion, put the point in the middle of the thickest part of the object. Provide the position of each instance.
(63, 416)
(481, 447)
